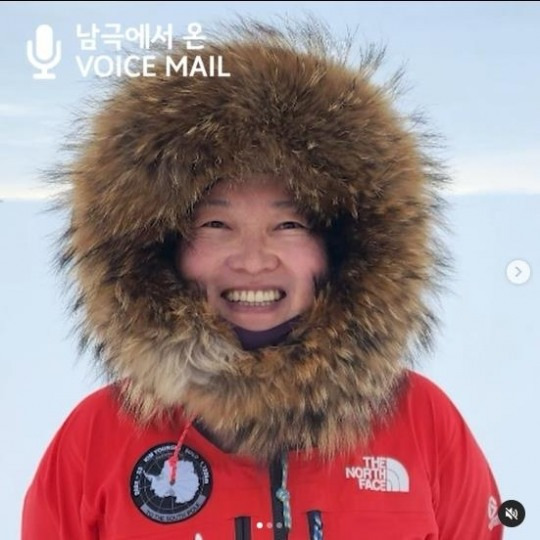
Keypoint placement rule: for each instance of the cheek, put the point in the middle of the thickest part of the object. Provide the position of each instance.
(192, 262)
(318, 256)
(310, 260)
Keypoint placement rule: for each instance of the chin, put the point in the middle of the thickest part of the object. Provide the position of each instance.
(256, 326)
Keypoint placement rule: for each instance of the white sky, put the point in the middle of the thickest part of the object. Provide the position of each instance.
(471, 66)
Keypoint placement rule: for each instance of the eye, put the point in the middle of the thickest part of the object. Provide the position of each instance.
(291, 225)
(214, 224)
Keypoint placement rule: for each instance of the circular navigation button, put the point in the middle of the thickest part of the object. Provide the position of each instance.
(511, 513)
(518, 272)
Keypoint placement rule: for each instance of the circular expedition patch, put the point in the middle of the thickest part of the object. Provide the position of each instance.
(153, 493)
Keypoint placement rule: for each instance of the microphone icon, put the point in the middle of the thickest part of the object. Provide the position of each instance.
(46, 55)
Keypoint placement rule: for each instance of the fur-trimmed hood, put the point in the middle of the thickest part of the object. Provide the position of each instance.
(294, 109)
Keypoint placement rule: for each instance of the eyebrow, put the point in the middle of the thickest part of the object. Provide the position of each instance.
(224, 202)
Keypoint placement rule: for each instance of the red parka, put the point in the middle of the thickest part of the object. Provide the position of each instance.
(422, 477)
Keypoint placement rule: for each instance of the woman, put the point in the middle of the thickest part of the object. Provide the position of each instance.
(254, 256)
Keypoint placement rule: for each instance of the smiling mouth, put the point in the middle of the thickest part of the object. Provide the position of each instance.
(258, 298)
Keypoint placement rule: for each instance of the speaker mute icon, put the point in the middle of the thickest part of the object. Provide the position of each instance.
(511, 513)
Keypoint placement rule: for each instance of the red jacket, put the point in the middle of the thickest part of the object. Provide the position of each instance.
(423, 476)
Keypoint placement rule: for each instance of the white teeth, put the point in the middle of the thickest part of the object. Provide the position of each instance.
(253, 296)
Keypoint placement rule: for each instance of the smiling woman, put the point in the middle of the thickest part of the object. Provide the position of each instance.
(254, 254)
(289, 200)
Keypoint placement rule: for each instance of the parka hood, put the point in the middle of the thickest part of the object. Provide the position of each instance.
(291, 108)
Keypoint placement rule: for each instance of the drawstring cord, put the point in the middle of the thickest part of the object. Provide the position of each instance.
(173, 460)
(315, 525)
(282, 494)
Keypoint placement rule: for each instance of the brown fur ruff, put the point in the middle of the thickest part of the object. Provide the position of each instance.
(293, 109)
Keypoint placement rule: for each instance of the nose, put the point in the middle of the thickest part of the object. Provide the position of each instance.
(252, 255)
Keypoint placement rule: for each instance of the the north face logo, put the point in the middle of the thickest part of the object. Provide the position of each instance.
(379, 474)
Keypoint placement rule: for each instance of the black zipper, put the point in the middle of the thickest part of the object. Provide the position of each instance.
(242, 528)
(276, 479)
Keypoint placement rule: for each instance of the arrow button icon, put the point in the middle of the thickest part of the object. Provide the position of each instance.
(518, 272)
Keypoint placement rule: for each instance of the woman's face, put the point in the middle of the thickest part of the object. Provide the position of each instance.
(254, 253)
